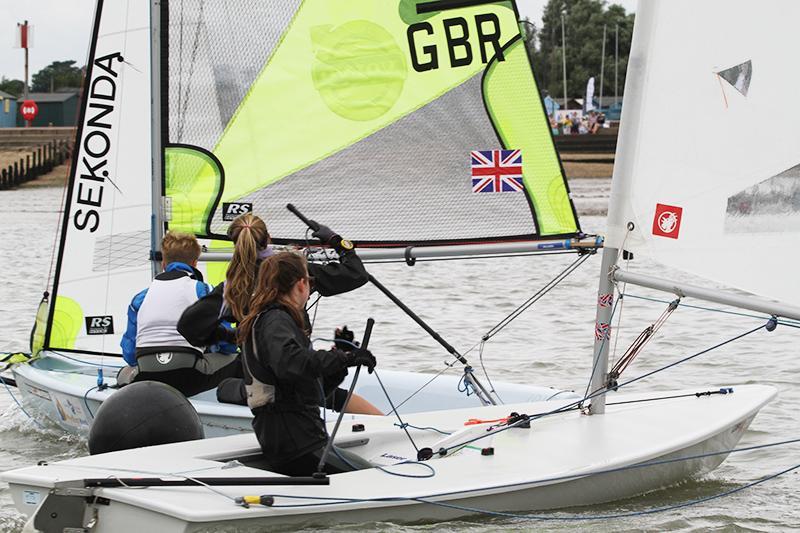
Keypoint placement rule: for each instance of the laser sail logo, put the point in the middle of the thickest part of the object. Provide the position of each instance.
(667, 221)
(100, 325)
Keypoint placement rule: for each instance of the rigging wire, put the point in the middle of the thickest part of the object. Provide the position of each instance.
(502, 324)
(640, 342)
(529, 418)
(321, 501)
(550, 285)
(781, 321)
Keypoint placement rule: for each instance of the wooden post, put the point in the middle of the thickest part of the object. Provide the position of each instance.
(3, 179)
(27, 168)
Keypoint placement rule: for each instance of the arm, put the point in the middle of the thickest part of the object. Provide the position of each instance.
(335, 278)
(280, 348)
(200, 323)
(357, 405)
(128, 342)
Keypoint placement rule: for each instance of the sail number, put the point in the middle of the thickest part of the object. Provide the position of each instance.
(425, 52)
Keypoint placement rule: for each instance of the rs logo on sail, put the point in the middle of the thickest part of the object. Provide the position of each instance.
(96, 143)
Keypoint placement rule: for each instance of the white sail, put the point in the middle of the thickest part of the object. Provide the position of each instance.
(707, 163)
(103, 256)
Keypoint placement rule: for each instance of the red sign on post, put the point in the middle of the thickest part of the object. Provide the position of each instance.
(29, 110)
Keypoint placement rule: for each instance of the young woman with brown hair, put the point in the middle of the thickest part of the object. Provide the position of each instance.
(207, 321)
(285, 377)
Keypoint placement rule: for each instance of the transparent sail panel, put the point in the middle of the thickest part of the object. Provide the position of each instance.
(215, 51)
(363, 114)
(767, 207)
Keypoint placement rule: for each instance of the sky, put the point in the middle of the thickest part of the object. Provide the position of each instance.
(62, 28)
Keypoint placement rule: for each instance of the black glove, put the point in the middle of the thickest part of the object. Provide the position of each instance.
(343, 340)
(361, 356)
(326, 235)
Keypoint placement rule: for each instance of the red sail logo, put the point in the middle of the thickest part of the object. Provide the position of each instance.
(667, 221)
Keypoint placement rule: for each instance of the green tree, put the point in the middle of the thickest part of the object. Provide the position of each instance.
(12, 87)
(583, 28)
(56, 75)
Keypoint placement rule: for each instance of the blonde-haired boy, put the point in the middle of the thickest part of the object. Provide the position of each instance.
(152, 342)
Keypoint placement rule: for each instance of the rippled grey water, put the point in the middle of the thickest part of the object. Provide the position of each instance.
(550, 344)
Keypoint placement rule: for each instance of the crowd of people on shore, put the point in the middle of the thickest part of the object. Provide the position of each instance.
(577, 124)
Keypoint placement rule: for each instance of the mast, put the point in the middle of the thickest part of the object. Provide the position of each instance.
(602, 67)
(157, 175)
(620, 186)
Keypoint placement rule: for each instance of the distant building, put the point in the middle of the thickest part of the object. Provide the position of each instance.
(55, 109)
(8, 110)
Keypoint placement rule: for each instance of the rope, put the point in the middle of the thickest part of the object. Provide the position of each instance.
(16, 401)
(86, 400)
(447, 367)
(494, 330)
(332, 500)
(424, 428)
(528, 418)
(783, 322)
(656, 510)
(431, 473)
(723, 343)
(486, 374)
(641, 341)
(394, 410)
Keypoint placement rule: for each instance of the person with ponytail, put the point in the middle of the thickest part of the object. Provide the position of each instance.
(286, 379)
(207, 321)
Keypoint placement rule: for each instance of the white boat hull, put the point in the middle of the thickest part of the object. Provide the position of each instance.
(562, 461)
(65, 392)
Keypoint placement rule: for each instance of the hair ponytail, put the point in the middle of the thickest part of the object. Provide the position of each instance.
(249, 235)
(277, 277)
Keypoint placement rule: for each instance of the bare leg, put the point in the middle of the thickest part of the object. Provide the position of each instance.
(360, 406)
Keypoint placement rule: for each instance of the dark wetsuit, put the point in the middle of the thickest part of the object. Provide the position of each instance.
(287, 382)
(201, 322)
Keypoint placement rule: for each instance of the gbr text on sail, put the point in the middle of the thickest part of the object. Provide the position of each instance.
(93, 166)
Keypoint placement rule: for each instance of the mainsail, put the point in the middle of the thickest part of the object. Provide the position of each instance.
(105, 240)
(397, 123)
(363, 112)
(707, 165)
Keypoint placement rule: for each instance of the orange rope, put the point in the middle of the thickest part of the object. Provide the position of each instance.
(476, 421)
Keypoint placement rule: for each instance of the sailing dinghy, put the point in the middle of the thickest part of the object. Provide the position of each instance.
(356, 113)
(608, 445)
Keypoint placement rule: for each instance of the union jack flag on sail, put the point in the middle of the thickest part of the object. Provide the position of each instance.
(496, 170)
